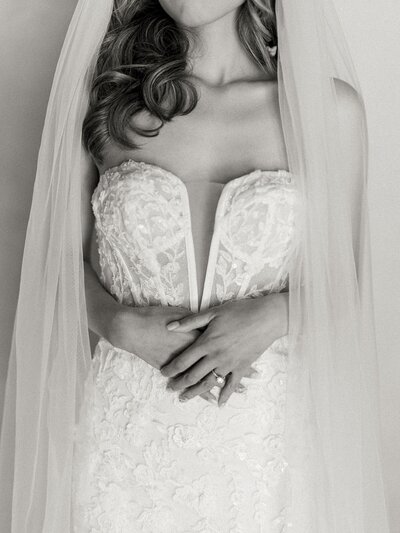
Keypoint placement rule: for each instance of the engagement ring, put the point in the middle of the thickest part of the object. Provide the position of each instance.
(220, 379)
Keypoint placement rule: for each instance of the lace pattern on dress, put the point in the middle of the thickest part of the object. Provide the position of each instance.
(145, 462)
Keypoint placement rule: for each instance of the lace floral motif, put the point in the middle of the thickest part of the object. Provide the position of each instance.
(253, 236)
(145, 462)
(141, 225)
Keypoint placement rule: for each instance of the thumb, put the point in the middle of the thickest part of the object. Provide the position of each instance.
(190, 322)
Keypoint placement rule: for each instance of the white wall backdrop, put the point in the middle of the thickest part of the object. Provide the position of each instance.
(31, 34)
(373, 28)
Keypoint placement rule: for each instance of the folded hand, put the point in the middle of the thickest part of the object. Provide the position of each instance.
(235, 334)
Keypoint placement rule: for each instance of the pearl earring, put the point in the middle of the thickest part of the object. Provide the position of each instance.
(272, 50)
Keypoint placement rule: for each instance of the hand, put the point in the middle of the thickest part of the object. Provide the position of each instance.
(142, 331)
(237, 333)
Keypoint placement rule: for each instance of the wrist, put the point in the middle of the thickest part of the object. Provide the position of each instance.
(111, 317)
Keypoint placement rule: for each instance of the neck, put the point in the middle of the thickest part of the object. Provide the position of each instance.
(217, 56)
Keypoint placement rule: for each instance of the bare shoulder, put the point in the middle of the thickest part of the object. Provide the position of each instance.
(352, 162)
(350, 105)
(352, 121)
(351, 115)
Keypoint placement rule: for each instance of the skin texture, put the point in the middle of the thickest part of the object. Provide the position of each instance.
(120, 324)
(194, 13)
(229, 344)
(235, 97)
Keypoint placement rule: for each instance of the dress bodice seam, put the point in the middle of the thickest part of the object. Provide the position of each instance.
(129, 167)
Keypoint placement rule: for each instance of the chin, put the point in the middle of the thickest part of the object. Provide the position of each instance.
(193, 13)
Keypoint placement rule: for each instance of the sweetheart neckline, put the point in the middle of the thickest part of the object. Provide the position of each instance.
(144, 164)
(196, 303)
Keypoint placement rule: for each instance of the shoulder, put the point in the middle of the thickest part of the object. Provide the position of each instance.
(353, 138)
(351, 164)
(350, 105)
(114, 154)
(352, 130)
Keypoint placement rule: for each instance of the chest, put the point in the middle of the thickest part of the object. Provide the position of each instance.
(147, 243)
(227, 135)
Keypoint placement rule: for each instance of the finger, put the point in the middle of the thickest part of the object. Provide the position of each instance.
(240, 388)
(191, 322)
(232, 381)
(251, 372)
(185, 359)
(206, 384)
(192, 376)
(209, 396)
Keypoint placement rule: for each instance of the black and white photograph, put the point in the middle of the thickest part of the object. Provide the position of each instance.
(199, 266)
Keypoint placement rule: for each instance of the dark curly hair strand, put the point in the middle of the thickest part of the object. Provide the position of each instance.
(142, 65)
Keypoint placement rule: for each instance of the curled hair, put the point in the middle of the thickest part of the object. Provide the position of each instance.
(143, 66)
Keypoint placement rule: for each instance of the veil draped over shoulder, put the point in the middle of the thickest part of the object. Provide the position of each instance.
(332, 434)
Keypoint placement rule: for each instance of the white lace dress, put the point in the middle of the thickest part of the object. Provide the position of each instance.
(144, 461)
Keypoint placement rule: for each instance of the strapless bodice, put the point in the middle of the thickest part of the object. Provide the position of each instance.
(144, 460)
(154, 232)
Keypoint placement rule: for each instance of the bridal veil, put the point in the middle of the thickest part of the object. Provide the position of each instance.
(333, 429)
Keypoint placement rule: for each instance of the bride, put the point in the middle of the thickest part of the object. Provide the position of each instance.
(160, 249)
(217, 398)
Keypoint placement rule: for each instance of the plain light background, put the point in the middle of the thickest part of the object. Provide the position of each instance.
(31, 35)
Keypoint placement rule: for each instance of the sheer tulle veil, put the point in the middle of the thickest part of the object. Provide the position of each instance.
(332, 435)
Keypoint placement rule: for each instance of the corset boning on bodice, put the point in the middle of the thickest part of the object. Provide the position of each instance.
(144, 461)
(146, 243)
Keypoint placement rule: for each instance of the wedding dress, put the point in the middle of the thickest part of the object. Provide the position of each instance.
(140, 455)
(144, 461)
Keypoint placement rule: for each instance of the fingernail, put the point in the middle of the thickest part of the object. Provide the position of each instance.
(222, 404)
(183, 399)
(173, 325)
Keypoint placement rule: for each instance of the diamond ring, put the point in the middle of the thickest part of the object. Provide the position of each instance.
(220, 379)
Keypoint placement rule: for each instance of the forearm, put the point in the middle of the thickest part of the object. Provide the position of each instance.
(275, 307)
(102, 308)
(283, 315)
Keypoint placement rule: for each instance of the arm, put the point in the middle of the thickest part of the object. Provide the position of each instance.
(102, 308)
(351, 120)
(139, 330)
(237, 333)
